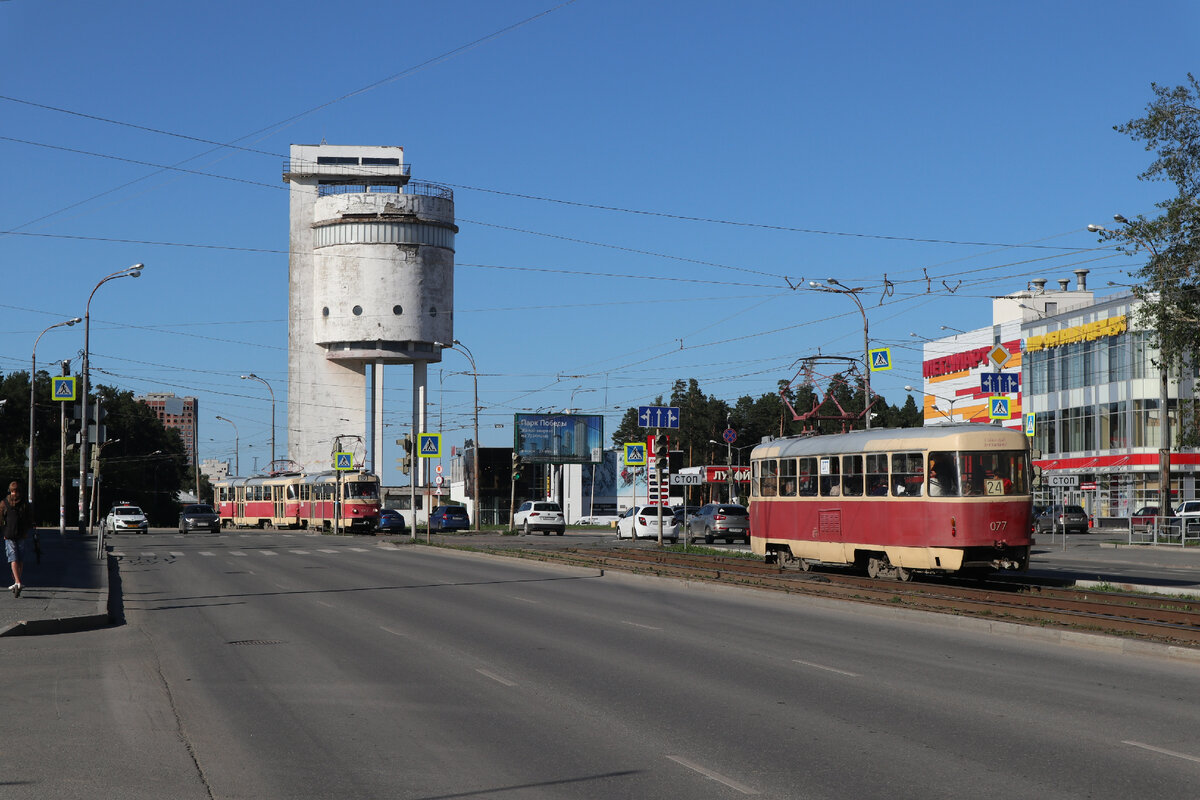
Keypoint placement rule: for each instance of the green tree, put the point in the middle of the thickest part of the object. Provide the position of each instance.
(1169, 280)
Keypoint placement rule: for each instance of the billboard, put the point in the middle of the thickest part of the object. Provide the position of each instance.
(559, 438)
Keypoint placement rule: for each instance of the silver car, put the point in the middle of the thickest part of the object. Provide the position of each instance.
(726, 521)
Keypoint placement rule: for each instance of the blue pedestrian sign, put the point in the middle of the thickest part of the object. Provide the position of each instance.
(998, 408)
(999, 382)
(343, 461)
(635, 455)
(429, 445)
(658, 416)
(63, 388)
(1029, 424)
(881, 359)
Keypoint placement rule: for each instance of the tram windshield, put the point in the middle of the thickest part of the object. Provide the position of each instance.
(362, 489)
(986, 473)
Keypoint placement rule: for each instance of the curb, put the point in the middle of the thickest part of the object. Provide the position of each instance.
(103, 617)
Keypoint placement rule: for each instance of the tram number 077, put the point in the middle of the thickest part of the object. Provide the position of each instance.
(999, 524)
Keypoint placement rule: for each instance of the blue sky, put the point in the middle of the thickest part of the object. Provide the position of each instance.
(638, 185)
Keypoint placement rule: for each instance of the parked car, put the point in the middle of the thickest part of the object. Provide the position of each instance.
(449, 518)
(1188, 508)
(124, 518)
(726, 521)
(199, 516)
(641, 522)
(539, 515)
(1068, 518)
(390, 521)
(1148, 517)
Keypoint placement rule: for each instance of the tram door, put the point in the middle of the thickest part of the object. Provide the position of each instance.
(278, 493)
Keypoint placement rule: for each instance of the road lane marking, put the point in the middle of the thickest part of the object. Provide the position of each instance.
(708, 773)
(1165, 752)
(326, 550)
(327, 605)
(206, 553)
(268, 552)
(392, 631)
(524, 599)
(175, 553)
(299, 552)
(827, 669)
(236, 553)
(495, 677)
(640, 625)
(147, 554)
(359, 549)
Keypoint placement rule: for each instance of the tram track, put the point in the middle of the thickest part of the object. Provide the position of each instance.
(1161, 619)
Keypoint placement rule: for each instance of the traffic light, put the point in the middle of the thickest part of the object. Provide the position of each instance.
(661, 457)
(516, 467)
(406, 462)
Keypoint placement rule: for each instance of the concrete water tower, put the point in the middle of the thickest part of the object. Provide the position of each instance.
(370, 282)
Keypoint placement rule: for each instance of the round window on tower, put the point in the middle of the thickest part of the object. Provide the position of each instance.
(397, 310)
(433, 311)
(325, 311)
(357, 311)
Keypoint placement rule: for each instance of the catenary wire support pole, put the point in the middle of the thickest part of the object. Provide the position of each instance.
(33, 404)
(62, 458)
(84, 437)
(253, 377)
(841, 288)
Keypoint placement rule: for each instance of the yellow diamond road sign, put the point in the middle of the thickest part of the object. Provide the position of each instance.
(1000, 355)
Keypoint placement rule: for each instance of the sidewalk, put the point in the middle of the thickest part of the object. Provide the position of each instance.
(67, 591)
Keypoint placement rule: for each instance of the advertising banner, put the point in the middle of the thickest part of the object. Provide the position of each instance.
(559, 438)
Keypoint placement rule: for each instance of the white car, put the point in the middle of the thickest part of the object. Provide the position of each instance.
(641, 522)
(540, 515)
(125, 518)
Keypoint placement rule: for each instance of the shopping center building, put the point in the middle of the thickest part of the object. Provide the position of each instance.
(1087, 376)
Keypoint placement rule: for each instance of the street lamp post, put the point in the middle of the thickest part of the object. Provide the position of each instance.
(475, 448)
(84, 438)
(237, 467)
(33, 401)
(253, 377)
(949, 416)
(853, 295)
(96, 478)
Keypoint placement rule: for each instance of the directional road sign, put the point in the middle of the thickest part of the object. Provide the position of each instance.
(658, 416)
(429, 445)
(63, 388)
(635, 455)
(881, 359)
(343, 461)
(999, 382)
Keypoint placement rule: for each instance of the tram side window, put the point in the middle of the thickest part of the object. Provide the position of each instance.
(993, 473)
(907, 474)
(943, 475)
(787, 477)
(831, 478)
(807, 477)
(292, 491)
(852, 476)
(770, 477)
(877, 475)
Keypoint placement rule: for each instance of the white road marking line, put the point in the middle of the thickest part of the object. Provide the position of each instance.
(299, 552)
(1165, 752)
(326, 550)
(392, 631)
(708, 773)
(359, 549)
(118, 553)
(268, 553)
(640, 625)
(495, 677)
(327, 605)
(524, 599)
(206, 553)
(236, 553)
(827, 669)
(175, 553)
(147, 554)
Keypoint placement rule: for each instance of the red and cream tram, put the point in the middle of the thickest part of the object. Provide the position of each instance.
(944, 499)
(298, 500)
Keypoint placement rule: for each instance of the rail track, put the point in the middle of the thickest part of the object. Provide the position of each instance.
(1157, 618)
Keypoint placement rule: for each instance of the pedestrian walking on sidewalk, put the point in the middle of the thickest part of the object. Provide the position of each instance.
(16, 521)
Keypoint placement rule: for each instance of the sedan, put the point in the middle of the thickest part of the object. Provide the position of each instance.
(125, 518)
(199, 516)
(641, 522)
(449, 518)
(390, 521)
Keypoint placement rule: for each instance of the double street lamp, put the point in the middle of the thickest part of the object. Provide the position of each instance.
(457, 345)
(84, 438)
(33, 400)
(237, 469)
(834, 285)
(949, 416)
(253, 377)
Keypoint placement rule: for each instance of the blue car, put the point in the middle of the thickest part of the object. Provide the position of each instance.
(449, 518)
(390, 521)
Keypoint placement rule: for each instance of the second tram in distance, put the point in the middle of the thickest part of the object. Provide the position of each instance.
(945, 499)
(299, 500)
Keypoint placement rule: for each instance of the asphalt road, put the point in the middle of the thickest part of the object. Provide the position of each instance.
(269, 665)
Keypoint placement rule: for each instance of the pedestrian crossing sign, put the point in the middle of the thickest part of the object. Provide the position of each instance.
(429, 445)
(343, 461)
(881, 359)
(1029, 424)
(63, 388)
(635, 455)
(998, 408)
